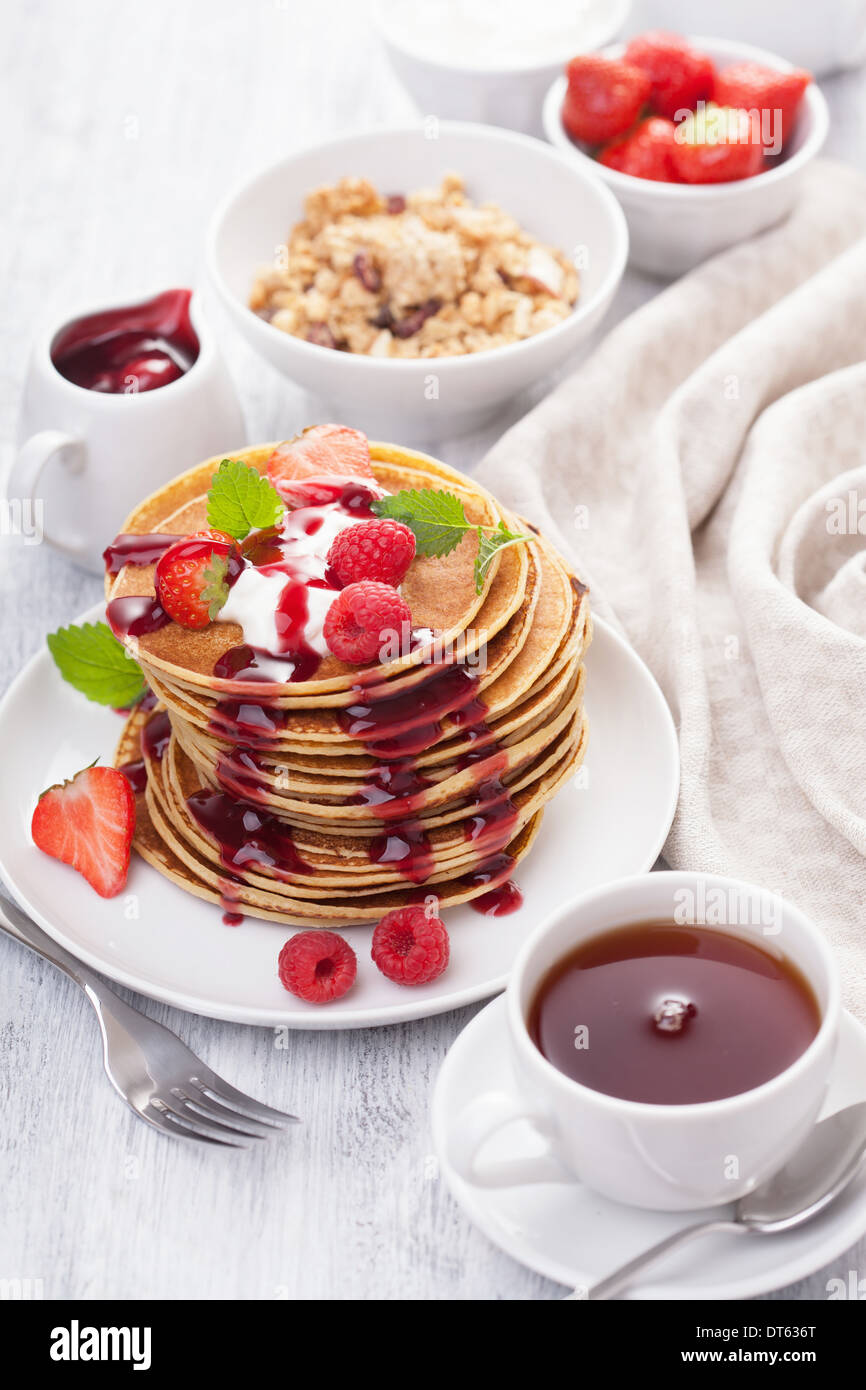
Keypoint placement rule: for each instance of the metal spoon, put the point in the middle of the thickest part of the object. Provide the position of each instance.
(818, 1172)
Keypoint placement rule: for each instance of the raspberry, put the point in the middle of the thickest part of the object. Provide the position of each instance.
(409, 947)
(381, 550)
(362, 618)
(318, 966)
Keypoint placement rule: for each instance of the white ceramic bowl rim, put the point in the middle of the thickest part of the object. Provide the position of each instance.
(618, 248)
(814, 107)
(615, 12)
(699, 1110)
(110, 400)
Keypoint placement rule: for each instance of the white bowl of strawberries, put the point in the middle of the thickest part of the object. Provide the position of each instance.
(703, 141)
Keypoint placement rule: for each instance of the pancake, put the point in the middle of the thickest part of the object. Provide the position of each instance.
(440, 592)
(333, 798)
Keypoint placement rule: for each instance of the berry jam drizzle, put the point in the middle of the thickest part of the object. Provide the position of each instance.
(404, 724)
(396, 728)
(240, 773)
(246, 721)
(135, 616)
(129, 549)
(155, 737)
(228, 898)
(135, 774)
(504, 896)
(247, 838)
(124, 351)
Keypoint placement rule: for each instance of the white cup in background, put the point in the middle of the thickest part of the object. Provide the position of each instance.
(86, 458)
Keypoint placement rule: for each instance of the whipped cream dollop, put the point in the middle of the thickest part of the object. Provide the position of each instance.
(258, 599)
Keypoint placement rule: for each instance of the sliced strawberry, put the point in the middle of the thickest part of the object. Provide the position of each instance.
(88, 822)
(603, 99)
(645, 152)
(193, 576)
(680, 75)
(319, 452)
(717, 146)
(757, 88)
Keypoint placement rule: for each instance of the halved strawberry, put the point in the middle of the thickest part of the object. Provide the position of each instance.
(193, 576)
(757, 88)
(603, 99)
(88, 822)
(681, 76)
(645, 152)
(320, 451)
(717, 145)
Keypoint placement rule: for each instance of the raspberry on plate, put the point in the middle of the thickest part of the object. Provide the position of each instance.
(321, 450)
(317, 966)
(191, 579)
(362, 618)
(88, 822)
(604, 97)
(754, 87)
(409, 947)
(381, 550)
(717, 146)
(679, 74)
(645, 152)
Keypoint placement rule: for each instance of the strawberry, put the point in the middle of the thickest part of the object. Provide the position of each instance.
(603, 99)
(717, 146)
(645, 152)
(680, 76)
(88, 822)
(193, 576)
(756, 88)
(317, 966)
(321, 451)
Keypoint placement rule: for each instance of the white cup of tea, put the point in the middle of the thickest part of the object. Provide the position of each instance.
(667, 1157)
(86, 457)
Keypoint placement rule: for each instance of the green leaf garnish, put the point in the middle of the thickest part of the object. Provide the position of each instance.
(438, 522)
(90, 658)
(436, 518)
(489, 544)
(241, 500)
(216, 589)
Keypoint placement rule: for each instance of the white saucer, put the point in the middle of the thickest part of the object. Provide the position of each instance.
(610, 822)
(570, 1234)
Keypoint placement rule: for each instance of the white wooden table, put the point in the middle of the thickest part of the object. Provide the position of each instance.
(123, 125)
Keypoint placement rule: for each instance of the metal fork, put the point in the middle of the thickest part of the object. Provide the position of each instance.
(148, 1065)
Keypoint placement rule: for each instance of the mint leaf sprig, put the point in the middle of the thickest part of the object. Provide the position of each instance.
(90, 658)
(438, 521)
(241, 499)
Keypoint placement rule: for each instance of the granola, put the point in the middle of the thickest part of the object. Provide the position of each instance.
(430, 274)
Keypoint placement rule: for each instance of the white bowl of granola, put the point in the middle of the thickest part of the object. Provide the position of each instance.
(417, 311)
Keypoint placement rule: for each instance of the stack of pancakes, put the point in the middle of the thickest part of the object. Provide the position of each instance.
(331, 800)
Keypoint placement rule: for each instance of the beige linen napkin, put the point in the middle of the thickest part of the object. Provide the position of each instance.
(706, 471)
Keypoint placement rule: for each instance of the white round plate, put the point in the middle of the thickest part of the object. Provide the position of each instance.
(570, 1234)
(155, 938)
